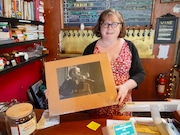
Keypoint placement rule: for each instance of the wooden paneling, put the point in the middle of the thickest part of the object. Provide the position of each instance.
(52, 27)
(153, 67)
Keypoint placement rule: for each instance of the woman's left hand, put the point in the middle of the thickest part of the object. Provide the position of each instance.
(46, 93)
(122, 92)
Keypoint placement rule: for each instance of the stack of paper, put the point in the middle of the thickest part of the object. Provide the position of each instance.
(47, 121)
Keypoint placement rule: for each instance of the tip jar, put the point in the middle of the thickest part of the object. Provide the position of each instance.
(20, 119)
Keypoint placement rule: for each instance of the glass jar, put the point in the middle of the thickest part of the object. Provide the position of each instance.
(3, 108)
(21, 119)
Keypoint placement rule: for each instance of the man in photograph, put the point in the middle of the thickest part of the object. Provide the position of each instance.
(75, 84)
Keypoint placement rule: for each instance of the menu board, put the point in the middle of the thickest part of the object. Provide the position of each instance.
(166, 28)
(136, 13)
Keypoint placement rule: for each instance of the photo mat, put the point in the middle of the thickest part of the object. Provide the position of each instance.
(67, 96)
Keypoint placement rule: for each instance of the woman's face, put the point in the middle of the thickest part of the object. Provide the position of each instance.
(107, 31)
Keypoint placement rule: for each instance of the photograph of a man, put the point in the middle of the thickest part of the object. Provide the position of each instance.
(80, 80)
(76, 84)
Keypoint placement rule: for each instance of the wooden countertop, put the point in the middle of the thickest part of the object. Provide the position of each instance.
(75, 124)
(70, 124)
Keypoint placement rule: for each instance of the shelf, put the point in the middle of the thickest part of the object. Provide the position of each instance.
(20, 43)
(20, 21)
(10, 43)
(6, 70)
(68, 55)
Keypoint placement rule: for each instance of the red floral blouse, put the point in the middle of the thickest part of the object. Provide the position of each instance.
(120, 68)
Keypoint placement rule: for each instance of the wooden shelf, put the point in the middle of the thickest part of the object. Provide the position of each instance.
(20, 43)
(15, 21)
(9, 69)
(20, 21)
(70, 55)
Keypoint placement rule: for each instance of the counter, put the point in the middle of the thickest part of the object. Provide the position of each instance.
(71, 124)
(75, 124)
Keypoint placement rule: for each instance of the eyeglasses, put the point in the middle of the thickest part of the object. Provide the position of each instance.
(113, 25)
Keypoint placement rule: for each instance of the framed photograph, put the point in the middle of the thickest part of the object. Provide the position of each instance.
(36, 95)
(166, 29)
(80, 83)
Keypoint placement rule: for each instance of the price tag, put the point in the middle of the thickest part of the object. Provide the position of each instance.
(125, 129)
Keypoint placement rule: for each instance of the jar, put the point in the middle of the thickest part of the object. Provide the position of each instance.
(3, 108)
(21, 119)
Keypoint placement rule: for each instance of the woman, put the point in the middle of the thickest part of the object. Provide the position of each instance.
(125, 62)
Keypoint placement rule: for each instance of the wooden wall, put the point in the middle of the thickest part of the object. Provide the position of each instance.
(153, 67)
(52, 27)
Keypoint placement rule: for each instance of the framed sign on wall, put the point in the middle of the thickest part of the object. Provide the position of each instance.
(166, 29)
(75, 12)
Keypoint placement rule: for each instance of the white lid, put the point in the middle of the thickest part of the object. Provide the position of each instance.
(20, 110)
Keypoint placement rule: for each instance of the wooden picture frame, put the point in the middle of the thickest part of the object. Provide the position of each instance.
(166, 30)
(103, 91)
(37, 95)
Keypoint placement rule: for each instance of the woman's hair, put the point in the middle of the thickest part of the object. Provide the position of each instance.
(102, 18)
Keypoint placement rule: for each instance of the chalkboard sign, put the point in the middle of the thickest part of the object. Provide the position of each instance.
(166, 28)
(136, 13)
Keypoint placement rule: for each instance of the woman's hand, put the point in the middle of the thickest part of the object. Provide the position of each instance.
(122, 92)
(46, 93)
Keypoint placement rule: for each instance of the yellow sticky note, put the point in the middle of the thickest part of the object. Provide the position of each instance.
(93, 125)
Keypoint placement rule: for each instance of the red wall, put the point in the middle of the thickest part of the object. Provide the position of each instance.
(15, 83)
